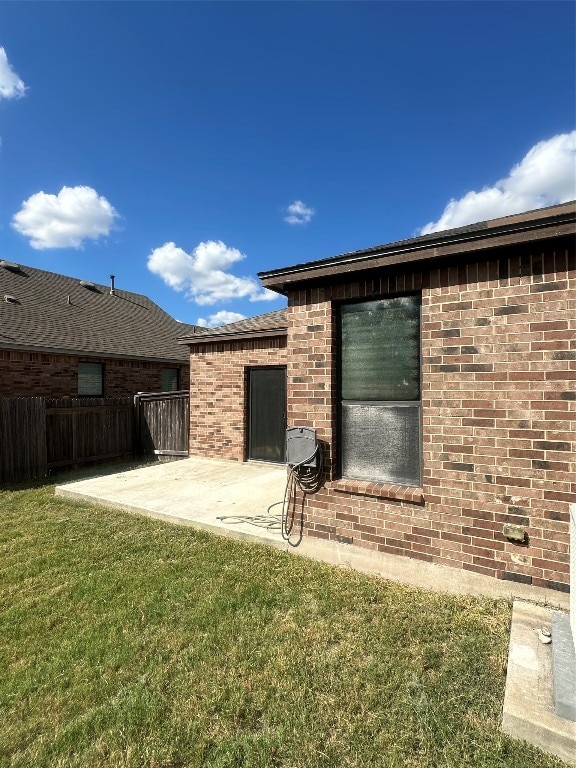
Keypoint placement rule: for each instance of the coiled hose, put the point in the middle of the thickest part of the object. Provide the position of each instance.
(308, 479)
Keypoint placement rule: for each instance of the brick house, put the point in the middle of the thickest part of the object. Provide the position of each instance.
(439, 373)
(234, 368)
(64, 337)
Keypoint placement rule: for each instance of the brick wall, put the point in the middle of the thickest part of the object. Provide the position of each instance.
(26, 374)
(499, 404)
(218, 394)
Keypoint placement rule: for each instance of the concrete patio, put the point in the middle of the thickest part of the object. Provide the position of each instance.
(194, 491)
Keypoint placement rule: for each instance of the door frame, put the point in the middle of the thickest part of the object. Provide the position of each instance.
(247, 408)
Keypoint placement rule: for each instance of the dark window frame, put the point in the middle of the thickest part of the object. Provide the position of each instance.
(102, 378)
(171, 368)
(340, 403)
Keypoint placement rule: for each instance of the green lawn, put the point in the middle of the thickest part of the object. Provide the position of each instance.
(129, 642)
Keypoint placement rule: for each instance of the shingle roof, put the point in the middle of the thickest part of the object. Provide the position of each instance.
(272, 322)
(45, 311)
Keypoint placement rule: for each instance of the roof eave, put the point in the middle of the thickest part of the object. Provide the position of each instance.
(509, 231)
(213, 338)
(84, 353)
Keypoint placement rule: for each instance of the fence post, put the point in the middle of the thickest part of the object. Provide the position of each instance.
(137, 424)
(42, 426)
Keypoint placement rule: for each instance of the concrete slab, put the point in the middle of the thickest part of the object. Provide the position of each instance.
(528, 712)
(563, 666)
(198, 491)
(194, 491)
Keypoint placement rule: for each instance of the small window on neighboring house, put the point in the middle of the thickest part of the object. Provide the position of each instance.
(170, 379)
(91, 379)
(380, 391)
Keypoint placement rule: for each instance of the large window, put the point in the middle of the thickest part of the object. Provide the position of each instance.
(380, 390)
(91, 379)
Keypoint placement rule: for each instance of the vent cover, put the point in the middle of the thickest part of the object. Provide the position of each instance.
(10, 265)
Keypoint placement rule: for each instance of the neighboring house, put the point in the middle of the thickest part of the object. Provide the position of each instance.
(64, 337)
(440, 375)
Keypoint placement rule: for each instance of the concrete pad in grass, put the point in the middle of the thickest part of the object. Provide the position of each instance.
(529, 713)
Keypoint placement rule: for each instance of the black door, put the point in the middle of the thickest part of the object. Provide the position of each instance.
(267, 414)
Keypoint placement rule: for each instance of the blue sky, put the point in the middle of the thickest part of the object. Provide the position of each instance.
(185, 146)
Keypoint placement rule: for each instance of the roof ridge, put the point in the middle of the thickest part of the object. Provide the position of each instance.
(78, 280)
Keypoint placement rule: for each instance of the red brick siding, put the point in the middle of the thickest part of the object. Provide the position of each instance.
(499, 383)
(218, 375)
(26, 374)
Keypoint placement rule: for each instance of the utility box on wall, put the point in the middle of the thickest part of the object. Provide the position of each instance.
(301, 446)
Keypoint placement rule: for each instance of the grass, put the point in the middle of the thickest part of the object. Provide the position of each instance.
(130, 643)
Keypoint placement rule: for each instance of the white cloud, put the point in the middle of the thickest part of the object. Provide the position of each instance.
(203, 273)
(220, 318)
(64, 220)
(298, 213)
(11, 86)
(545, 176)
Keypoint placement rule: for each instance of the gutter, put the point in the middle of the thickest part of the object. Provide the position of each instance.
(518, 229)
(215, 338)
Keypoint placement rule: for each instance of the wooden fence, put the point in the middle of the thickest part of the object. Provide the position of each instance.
(88, 429)
(162, 423)
(40, 434)
(22, 438)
